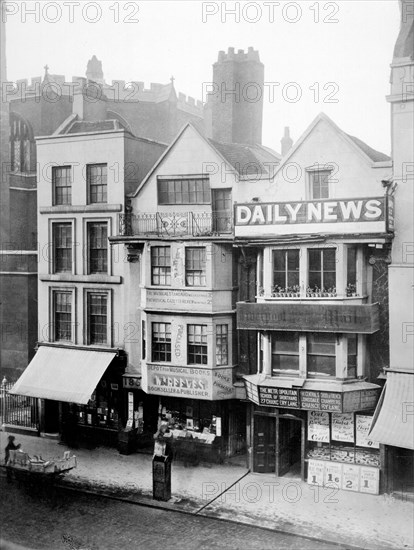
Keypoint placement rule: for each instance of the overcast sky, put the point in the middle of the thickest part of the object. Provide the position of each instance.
(326, 56)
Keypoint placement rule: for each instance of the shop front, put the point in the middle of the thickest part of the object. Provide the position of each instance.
(319, 435)
(84, 385)
(198, 405)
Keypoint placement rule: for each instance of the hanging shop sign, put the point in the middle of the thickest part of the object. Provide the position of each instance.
(363, 318)
(343, 427)
(313, 400)
(279, 397)
(356, 215)
(318, 426)
(192, 383)
(363, 425)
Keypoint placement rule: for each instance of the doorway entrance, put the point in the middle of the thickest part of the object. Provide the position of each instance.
(279, 445)
(290, 446)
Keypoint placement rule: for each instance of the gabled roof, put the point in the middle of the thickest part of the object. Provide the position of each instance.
(369, 154)
(238, 156)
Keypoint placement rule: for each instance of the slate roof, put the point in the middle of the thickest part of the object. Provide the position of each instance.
(248, 160)
(375, 156)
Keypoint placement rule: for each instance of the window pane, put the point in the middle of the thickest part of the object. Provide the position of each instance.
(321, 356)
(98, 247)
(314, 260)
(62, 245)
(285, 342)
(351, 268)
(161, 341)
(161, 265)
(97, 183)
(321, 343)
(62, 316)
(329, 260)
(184, 191)
(285, 351)
(197, 344)
(195, 266)
(221, 344)
(97, 318)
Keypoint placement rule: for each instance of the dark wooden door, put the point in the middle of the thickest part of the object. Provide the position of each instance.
(264, 444)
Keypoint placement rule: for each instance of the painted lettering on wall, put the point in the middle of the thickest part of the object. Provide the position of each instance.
(325, 211)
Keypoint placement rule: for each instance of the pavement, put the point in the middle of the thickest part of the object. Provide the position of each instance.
(231, 492)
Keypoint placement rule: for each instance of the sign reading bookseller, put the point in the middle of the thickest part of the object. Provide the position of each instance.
(363, 319)
(192, 383)
(359, 215)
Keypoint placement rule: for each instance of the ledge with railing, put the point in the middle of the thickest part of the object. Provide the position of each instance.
(176, 224)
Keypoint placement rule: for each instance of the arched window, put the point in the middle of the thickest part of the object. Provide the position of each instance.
(22, 145)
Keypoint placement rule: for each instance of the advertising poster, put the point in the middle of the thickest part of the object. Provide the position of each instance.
(343, 427)
(316, 470)
(363, 425)
(369, 480)
(318, 426)
(350, 477)
(333, 475)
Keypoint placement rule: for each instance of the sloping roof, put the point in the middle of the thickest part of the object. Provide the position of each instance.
(371, 155)
(82, 126)
(375, 156)
(248, 160)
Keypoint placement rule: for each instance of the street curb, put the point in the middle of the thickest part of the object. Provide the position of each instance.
(250, 521)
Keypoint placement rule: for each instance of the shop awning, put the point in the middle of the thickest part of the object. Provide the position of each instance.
(393, 422)
(61, 374)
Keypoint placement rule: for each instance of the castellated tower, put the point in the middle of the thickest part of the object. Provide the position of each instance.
(234, 110)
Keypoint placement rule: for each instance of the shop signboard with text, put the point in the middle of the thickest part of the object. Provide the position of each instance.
(363, 319)
(355, 215)
(188, 382)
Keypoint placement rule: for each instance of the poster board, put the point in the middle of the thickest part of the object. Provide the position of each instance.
(343, 427)
(318, 426)
(316, 472)
(362, 427)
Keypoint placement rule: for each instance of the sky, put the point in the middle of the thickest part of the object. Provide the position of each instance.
(318, 56)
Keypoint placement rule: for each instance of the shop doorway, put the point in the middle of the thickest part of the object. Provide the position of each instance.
(264, 444)
(290, 446)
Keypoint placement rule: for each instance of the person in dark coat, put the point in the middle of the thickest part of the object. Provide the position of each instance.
(11, 446)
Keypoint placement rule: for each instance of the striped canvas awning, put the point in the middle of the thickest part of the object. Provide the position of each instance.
(63, 374)
(393, 422)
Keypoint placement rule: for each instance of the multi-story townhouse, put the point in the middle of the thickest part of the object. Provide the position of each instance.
(180, 230)
(319, 233)
(86, 319)
(394, 425)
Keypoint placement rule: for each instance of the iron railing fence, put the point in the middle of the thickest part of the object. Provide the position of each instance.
(176, 224)
(18, 410)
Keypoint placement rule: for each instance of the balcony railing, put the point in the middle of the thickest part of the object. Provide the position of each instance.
(176, 224)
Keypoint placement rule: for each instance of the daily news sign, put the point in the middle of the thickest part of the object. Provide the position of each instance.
(371, 215)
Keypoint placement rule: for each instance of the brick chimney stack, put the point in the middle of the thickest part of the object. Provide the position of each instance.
(235, 106)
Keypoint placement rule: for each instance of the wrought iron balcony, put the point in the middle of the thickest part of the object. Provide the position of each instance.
(176, 224)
